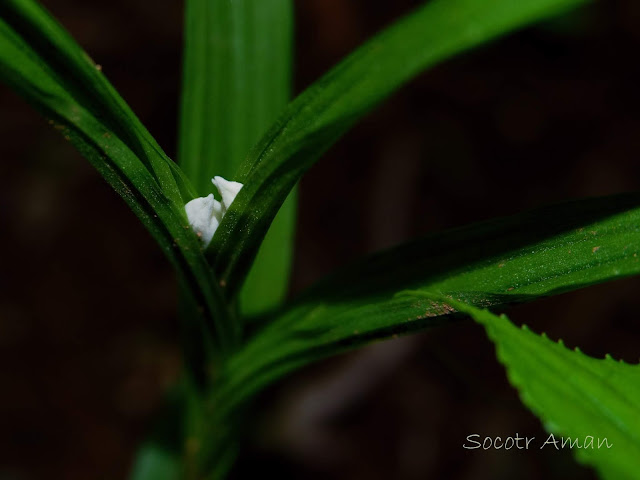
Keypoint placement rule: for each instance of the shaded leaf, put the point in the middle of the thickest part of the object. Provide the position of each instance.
(507, 260)
(41, 61)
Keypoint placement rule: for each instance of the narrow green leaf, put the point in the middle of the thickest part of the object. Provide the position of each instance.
(237, 76)
(513, 259)
(237, 69)
(41, 61)
(579, 398)
(267, 283)
(29, 27)
(321, 114)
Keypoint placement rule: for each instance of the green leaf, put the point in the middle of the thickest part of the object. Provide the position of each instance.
(155, 463)
(41, 61)
(513, 259)
(237, 76)
(267, 283)
(321, 114)
(161, 455)
(576, 396)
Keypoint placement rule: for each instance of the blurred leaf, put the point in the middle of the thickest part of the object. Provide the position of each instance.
(161, 456)
(41, 61)
(513, 259)
(237, 75)
(321, 114)
(576, 396)
(155, 463)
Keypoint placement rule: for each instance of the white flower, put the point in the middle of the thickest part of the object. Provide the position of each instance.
(205, 213)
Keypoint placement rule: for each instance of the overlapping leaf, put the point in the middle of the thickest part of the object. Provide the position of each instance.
(321, 114)
(41, 61)
(514, 259)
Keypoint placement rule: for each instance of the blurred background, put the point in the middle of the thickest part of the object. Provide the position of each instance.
(88, 333)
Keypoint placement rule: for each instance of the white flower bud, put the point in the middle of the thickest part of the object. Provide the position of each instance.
(205, 213)
(228, 191)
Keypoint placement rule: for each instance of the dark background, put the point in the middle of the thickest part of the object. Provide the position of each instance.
(87, 301)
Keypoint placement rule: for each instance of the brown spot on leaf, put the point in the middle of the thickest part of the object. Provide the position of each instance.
(438, 309)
